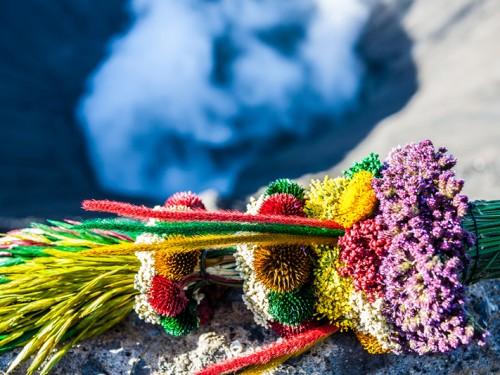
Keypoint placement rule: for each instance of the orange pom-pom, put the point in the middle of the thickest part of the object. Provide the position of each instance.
(176, 266)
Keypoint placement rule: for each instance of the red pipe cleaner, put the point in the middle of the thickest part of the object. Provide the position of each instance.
(268, 353)
(285, 330)
(143, 212)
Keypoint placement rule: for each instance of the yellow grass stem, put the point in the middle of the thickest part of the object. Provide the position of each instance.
(185, 244)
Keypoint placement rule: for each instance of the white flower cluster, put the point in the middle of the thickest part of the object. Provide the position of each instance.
(144, 309)
(254, 292)
(371, 320)
(253, 206)
(142, 281)
(146, 271)
(148, 238)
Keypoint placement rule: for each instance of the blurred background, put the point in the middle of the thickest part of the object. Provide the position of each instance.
(137, 99)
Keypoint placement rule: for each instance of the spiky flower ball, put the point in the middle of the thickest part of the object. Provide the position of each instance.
(184, 323)
(282, 268)
(185, 199)
(166, 297)
(285, 186)
(370, 343)
(282, 204)
(358, 201)
(371, 163)
(176, 266)
(291, 307)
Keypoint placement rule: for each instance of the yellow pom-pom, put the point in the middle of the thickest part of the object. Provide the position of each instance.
(370, 343)
(323, 196)
(282, 268)
(332, 291)
(358, 201)
(176, 266)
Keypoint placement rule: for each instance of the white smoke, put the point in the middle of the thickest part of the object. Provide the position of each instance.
(189, 93)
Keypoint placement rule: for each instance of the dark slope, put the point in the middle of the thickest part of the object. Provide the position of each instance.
(47, 50)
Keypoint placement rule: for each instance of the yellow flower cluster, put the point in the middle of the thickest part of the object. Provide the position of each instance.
(332, 291)
(323, 196)
(346, 201)
(370, 343)
(358, 201)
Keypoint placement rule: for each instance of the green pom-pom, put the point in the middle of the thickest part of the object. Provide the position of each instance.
(291, 307)
(371, 163)
(287, 186)
(182, 324)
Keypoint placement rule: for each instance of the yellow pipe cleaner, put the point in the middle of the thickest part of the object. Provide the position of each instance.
(210, 241)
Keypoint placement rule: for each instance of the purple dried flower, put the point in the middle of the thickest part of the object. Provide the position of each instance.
(421, 211)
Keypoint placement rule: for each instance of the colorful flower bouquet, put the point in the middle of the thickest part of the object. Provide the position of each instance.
(386, 251)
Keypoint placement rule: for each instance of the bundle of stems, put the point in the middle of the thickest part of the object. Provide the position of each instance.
(483, 220)
(51, 303)
(20, 245)
(54, 295)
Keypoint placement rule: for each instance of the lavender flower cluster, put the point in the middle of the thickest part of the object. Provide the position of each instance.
(421, 212)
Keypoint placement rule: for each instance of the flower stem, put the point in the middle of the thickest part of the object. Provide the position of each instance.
(483, 220)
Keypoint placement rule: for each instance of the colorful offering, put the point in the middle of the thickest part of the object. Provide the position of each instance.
(385, 251)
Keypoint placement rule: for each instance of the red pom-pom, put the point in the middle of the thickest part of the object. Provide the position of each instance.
(282, 204)
(167, 297)
(285, 330)
(185, 199)
(363, 248)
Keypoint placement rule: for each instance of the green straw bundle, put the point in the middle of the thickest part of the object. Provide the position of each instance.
(483, 220)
